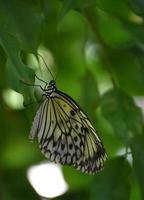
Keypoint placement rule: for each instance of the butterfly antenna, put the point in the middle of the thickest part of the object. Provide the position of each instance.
(40, 79)
(46, 65)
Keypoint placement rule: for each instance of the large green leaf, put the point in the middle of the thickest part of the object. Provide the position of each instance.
(22, 19)
(122, 113)
(20, 24)
(127, 67)
(111, 142)
(112, 183)
(138, 160)
(90, 94)
(77, 180)
(137, 6)
(14, 189)
(105, 24)
(119, 8)
(16, 70)
(80, 4)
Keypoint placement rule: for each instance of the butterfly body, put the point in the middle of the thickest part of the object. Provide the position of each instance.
(65, 134)
(51, 88)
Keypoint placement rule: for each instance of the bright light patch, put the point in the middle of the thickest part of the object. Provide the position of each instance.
(136, 18)
(47, 180)
(139, 102)
(91, 51)
(13, 99)
(122, 152)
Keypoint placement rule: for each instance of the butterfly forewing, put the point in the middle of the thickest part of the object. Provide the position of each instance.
(66, 135)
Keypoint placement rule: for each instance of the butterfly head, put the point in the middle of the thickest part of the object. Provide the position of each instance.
(52, 83)
(51, 87)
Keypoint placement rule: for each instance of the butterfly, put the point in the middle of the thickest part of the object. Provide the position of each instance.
(65, 134)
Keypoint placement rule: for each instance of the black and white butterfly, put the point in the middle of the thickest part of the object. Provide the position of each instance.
(65, 134)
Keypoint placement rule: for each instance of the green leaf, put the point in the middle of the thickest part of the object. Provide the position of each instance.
(106, 23)
(13, 189)
(106, 132)
(119, 8)
(90, 94)
(122, 113)
(137, 146)
(2, 63)
(112, 183)
(75, 179)
(127, 67)
(20, 24)
(22, 19)
(137, 6)
(135, 190)
(70, 4)
(16, 70)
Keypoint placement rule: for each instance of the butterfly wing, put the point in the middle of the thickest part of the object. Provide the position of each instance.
(89, 150)
(66, 135)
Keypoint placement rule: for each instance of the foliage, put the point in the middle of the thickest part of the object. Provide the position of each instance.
(95, 49)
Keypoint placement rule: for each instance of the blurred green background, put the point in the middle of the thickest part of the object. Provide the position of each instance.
(95, 49)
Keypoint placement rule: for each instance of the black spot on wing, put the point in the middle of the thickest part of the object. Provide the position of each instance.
(86, 129)
(76, 126)
(54, 144)
(70, 146)
(72, 113)
(75, 138)
(63, 146)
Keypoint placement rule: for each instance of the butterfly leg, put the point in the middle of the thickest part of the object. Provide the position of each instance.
(28, 84)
